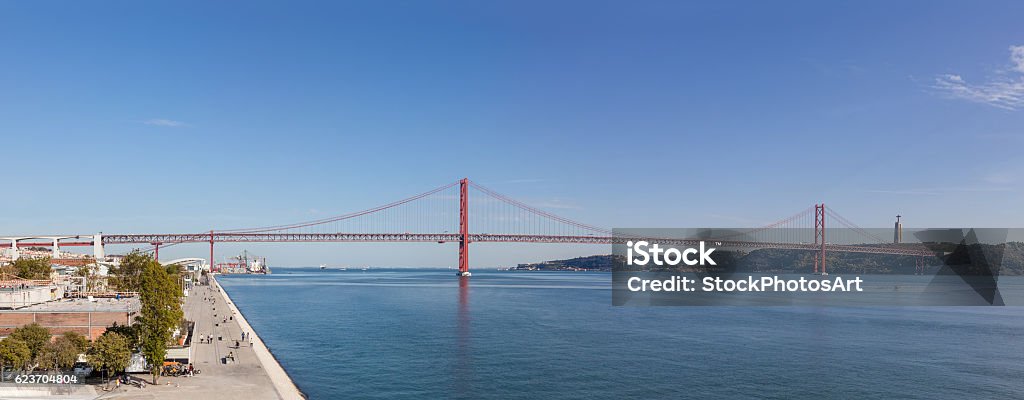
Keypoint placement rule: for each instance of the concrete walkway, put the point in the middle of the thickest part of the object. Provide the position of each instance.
(255, 374)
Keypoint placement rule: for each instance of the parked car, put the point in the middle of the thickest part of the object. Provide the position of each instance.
(82, 369)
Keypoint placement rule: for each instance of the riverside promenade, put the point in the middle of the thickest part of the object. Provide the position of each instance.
(255, 374)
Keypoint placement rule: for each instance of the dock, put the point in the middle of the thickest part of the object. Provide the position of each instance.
(254, 375)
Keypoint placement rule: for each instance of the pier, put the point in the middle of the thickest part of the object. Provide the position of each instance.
(253, 375)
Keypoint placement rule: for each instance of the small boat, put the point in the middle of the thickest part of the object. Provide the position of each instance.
(323, 266)
(467, 273)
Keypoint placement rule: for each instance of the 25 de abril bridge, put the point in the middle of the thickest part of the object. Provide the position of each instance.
(466, 212)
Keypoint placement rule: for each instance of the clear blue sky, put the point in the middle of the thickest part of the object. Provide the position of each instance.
(185, 116)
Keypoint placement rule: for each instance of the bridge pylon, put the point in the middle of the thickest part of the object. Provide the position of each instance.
(464, 227)
(819, 238)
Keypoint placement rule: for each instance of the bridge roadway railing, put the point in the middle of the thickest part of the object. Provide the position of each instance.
(908, 250)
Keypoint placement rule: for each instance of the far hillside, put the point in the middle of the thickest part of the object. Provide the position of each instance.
(802, 261)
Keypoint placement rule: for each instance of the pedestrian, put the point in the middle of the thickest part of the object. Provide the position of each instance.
(250, 341)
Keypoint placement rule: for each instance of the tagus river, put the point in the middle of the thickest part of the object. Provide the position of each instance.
(396, 334)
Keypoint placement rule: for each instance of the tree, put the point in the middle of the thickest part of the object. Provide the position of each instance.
(93, 280)
(30, 268)
(174, 270)
(80, 341)
(126, 276)
(110, 352)
(160, 313)
(34, 336)
(131, 333)
(14, 353)
(63, 352)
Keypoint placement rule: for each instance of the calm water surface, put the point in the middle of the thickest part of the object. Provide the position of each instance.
(394, 334)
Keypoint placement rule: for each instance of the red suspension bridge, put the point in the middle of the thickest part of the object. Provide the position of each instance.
(444, 214)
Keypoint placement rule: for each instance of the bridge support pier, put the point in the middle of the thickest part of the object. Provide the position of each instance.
(55, 250)
(14, 250)
(97, 247)
(211, 251)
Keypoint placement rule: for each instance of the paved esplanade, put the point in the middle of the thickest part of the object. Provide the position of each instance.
(245, 379)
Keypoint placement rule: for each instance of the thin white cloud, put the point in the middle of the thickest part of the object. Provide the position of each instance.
(165, 122)
(1005, 94)
(1017, 56)
(1005, 91)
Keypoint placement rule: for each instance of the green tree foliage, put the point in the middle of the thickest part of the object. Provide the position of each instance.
(131, 333)
(93, 280)
(160, 313)
(110, 352)
(80, 341)
(63, 352)
(29, 268)
(127, 275)
(14, 353)
(174, 270)
(34, 336)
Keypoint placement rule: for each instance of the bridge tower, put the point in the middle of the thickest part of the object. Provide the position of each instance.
(464, 227)
(819, 238)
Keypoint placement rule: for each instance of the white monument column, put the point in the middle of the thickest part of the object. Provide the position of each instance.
(14, 249)
(97, 247)
(56, 249)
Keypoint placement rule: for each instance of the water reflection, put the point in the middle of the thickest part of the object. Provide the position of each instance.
(463, 356)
